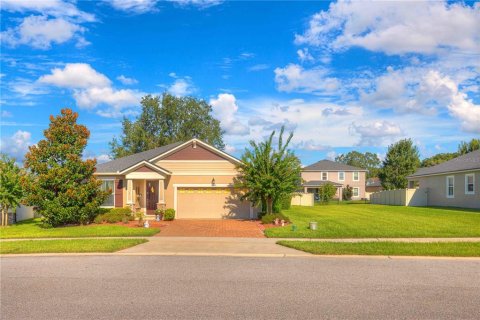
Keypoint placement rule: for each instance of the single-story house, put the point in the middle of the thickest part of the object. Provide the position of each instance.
(338, 174)
(193, 177)
(454, 183)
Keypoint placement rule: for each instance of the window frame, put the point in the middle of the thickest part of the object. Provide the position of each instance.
(343, 179)
(448, 187)
(467, 175)
(113, 193)
(358, 175)
(321, 177)
(358, 192)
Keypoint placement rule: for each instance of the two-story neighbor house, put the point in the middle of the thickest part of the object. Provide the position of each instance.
(338, 174)
(454, 183)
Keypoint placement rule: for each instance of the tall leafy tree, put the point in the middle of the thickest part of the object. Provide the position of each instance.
(402, 159)
(167, 119)
(62, 186)
(268, 173)
(466, 147)
(367, 160)
(11, 191)
(438, 158)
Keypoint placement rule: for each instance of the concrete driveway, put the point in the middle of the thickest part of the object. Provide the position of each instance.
(210, 228)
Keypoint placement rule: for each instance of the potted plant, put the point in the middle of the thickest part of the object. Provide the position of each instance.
(158, 214)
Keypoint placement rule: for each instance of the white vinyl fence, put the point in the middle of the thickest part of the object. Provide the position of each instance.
(401, 197)
(23, 213)
(303, 199)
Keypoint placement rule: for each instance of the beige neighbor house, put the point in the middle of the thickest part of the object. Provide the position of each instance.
(454, 183)
(193, 177)
(338, 174)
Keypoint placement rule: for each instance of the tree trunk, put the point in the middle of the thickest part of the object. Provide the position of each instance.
(5, 216)
(269, 205)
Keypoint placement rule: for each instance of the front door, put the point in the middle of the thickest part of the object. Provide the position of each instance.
(152, 196)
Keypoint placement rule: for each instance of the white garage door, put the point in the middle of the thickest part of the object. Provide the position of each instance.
(211, 203)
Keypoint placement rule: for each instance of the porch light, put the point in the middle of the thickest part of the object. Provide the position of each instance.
(213, 182)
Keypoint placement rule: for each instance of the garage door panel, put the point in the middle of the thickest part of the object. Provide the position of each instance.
(211, 203)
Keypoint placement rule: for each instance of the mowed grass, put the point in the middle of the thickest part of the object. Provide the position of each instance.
(67, 246)
(444, 249)
(33, 229)
(379, 221)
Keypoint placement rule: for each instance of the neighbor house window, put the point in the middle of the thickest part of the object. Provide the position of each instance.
(108, 185)
(341, 176)
(450, 186)
(470, 183)
(356, 176)
(356, 192)
(324, 176)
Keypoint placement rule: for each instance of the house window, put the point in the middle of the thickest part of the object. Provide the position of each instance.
(356, 192)
(108, 185)
(450, 186)
(324, 176)
(470, 183)
(341, 176)
(356, 176)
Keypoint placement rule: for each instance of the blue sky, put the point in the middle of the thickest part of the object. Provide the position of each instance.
(343, 75)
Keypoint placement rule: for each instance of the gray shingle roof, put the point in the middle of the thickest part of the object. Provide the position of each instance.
(318, 183)
(469, 161)
(327, 165)
(123, 163)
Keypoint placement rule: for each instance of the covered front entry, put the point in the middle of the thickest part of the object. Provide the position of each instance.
(151, 196)
(211, 203)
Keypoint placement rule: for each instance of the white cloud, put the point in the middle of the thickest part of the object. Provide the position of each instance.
(225, 109)
(311, 145)
(91, 89)
(25, 87)
(126, 80)
(56, 8)
(182, 87)
(75, 75)
(103, 158)
(6, 114)
(135, 6)
(392, 27)
(375, 134)
(258, 67)
(294, 78)
(198, 3)
(331, 155)
(230, 148)
(41, 32)
(16, 145)
(304, 55)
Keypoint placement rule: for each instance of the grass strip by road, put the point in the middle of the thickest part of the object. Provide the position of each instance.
(67, 246)
(379, 221)
(33, 229)
(437, 249)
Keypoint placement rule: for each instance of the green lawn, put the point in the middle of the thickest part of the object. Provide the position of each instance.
(67, 246)
(445, 249)
(33, 229)
(378, 221)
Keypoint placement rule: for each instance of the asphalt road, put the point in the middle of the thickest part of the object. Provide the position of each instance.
(181, 287)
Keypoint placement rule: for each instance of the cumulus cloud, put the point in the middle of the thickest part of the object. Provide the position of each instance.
(58, 22)
(182, 87)
(392, 27)
(304, 55)
(126, 80)
(91, 89)
(294, 78)
(310, 145)
(134, 6)
(225, 109)
(16, 145)
(376, 133)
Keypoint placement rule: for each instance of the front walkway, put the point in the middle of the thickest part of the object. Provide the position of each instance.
(210, 228)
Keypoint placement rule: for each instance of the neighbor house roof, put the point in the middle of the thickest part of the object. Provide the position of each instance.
(327, 165)
(374, 182)
(466, 162)
(123, 163)
(319, 183)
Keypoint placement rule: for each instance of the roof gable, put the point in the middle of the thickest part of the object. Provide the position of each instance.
(327, 165)
(193, 152)
(469, 161)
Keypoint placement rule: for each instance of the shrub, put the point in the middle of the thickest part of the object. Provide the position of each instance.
(126, 211)
(326, 192)
(347, 193)
(114, 215)
(270, 217)
(286, 202)
(169, 215)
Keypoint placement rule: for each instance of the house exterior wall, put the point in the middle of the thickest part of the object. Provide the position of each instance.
(333, 177)
(192, 152)
(437, 190)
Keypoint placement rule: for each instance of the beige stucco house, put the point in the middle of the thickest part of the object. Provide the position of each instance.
(339, 174)
(193, 177)
(454, 183)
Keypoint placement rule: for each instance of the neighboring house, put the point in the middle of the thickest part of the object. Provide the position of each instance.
(373, 185)
(193, 177)
(339, 174)
(454, 183)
